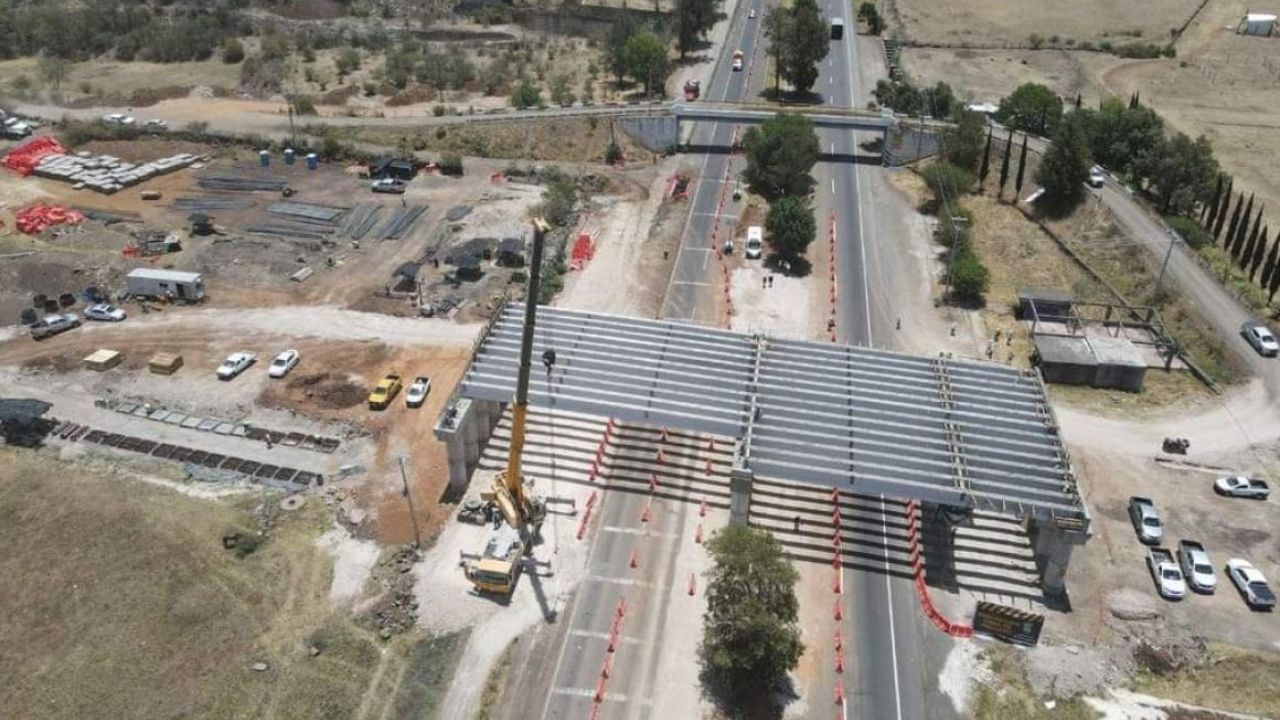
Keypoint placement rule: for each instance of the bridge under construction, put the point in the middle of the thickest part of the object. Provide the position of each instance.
(957, 435)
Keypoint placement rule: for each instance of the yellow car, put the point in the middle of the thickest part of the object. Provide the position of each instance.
(382, 395)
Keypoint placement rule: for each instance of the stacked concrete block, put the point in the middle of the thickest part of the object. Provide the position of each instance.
(106, 173)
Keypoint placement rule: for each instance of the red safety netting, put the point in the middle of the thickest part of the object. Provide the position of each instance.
(583, 250)
(35, 219)
(24, 158)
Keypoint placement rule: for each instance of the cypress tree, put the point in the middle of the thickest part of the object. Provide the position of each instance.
(986, 161)
(1251, 245)
(1004, 164)
(1079, 99)
(1022, 166)
(1242, 231)
(1235, 222)
(1269, 268)
(1222, 211)
(1258, 252)
(1211, 208)
(1274, 285)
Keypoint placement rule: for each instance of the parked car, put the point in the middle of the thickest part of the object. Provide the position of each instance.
(1241, 486)
(1261, 338)
(418, 391)
(235, 364)
(389, 185)
(384, 392)
(751, 14)
(105, 313)
(51, 325)
(118, 119)
(1097, 178)
(1145, 520)
(754, 246)
(156, 125)
(1196, 566)
(284, 362)
(1166, 574)
(1251, 584)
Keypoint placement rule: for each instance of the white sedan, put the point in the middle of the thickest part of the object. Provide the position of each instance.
(105, 313)
(118, 119)
(1251, 584)
(284, 362)
(235, 364)
(418, 391)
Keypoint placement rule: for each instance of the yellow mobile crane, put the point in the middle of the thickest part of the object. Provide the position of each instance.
(498, 567)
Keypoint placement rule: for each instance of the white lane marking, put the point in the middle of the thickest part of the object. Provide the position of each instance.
(625, 639)
(833, 147)
(833, 186)
(638, 531)
(589, 693)
(888, 590)
(625, 581)
(691, 282)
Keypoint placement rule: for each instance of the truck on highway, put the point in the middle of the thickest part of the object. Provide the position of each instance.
(1166, 574)
(837, 28)
(1196, 566)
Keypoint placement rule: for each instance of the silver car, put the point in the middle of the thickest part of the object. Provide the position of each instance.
(1261, 338)
(1142, 511)
(51, 325)
(1241, 486)
(1251, 584)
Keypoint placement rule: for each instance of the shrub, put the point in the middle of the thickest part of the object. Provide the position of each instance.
(450, 164)
(526, 95)
(232, 51)
(612, 153)
(304, 105)
(948, 181)
(1189, 229)
(969, 277)
(437, 110)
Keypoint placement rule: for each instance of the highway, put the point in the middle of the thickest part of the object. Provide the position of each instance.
(893, 652)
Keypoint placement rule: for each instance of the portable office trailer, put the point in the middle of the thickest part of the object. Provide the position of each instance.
(172, 284)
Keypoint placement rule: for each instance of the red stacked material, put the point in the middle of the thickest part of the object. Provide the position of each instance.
(35, 219)
(24, 158)
(583, 250)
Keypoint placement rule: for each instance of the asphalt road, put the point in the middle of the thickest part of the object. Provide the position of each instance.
(893, 652)
(688, 296)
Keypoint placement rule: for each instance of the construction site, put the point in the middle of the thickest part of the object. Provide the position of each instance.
(408, 410)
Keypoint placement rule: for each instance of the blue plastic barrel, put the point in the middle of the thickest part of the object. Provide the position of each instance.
(264, 158)
(313, 162)
(288, 156)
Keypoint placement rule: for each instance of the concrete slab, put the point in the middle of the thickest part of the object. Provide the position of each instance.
(239, 431)
(207, 425)
(175, 418)
(159, 414)
(126, 408)
(140, 411)
(224, 428)
(192, 421)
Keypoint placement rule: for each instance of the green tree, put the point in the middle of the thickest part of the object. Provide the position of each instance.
(615, 48)
(1210, 214)
(694, 18)
(1022, 167)
(790, 227)
(1242, 230)
(947, 182)
(612, 153)
(275, 46)
(1251, 244)
(751, 634)
(347, 61)
(1230, 238)
(1259, 252)
(986, 160)
(53, 70)
(558, 200)
(399, 67)
(1065, 168)
(939, 100)
(1273, 284)
(1031, 108)
(1222, 212)
(646, 60)
(799, 38)
(867, 13)
(232, 51)
(526, 95)
(962, 144)
(969, 277)
(1004, 163)
(1181, 171)
(1120, 136)
(561, 92)
(780, 154)
(1269, 267)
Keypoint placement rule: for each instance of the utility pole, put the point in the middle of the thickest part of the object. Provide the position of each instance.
(1173, 238)
(404, 479)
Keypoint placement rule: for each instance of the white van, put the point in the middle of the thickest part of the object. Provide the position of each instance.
(755, 242)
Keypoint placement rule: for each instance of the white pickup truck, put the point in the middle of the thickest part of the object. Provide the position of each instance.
(1196, 566)
(1166, 573)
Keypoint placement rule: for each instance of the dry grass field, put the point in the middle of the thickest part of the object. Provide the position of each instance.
(121, 602)
(998, 23)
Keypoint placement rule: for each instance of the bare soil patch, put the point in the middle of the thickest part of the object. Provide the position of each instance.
(994, 23)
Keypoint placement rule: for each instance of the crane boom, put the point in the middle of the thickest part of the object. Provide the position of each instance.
(517, 507)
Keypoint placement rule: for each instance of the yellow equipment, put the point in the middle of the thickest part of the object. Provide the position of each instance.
(522, 512)
(382, 394)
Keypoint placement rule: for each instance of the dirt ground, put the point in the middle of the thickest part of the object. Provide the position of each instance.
(992, 23)
(116, 582)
